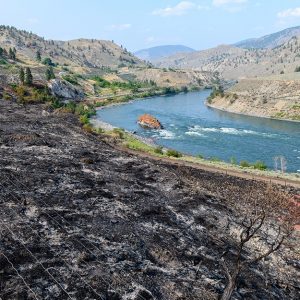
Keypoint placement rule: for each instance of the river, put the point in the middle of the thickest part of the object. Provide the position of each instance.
(193, 128)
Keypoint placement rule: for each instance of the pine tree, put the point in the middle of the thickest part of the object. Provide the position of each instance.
(11, 54)
(14, 53)
(50, 74)
(22, 75)
(28, 76)
(38, 56)
(1, 51)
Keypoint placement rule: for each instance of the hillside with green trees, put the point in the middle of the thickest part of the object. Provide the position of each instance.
(100, 70)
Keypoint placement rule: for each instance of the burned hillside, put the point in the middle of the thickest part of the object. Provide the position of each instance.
(81, 219)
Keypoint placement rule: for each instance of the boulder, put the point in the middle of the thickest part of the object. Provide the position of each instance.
(149, 121)
(64, 89)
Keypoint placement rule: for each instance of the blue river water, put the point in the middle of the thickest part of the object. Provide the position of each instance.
(193, 128)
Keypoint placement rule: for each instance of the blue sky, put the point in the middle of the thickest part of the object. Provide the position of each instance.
(138, 24)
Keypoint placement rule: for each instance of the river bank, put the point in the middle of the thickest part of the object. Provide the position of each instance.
(263, 116)
(218, 165)
(268, 97)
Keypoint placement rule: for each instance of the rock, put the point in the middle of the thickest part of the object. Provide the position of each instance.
(149, 121)
(63, 89)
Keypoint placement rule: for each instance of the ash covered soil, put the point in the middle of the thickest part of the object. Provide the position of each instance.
(80, 219)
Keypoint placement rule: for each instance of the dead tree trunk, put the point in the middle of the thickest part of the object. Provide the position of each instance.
(230, 286)
(231, 277)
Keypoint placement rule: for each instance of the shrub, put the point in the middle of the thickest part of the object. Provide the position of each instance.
(184, 89)
(233, 161)
(173, 153)
(119, 132)
(245, 164)
(21, 92)
(84, 119)
(55, 104)
(6, 96)
(215, 159)
(83, 109)
(101, 82)
(3, 61)
(200, 156)
(169, 90)
(71, 79)
(88, 128)
(71, 106)
(260, 165)
(99, 130)
(159, 150)
(217, 91)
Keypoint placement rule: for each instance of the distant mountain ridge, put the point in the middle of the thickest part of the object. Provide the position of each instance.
(234, 63)
(158, 52)
(271, 40)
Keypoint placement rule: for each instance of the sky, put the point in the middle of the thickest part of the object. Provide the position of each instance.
(138, 24)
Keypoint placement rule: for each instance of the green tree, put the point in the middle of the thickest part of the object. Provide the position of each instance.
(28, 76)
(12, 54)
(50, 74)
(22, 75)
(47, 61)
(38, 56)
(1, 51)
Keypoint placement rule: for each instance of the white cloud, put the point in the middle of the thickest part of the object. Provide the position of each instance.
(178, 10)
(120, 26)
(292, 12)
(225, 2)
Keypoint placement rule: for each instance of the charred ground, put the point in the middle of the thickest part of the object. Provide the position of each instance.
(81, 219)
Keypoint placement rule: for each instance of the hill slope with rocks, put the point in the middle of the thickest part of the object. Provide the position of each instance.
(89, 53)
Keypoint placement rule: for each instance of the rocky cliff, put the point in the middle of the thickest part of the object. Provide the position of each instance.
(65, 90)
